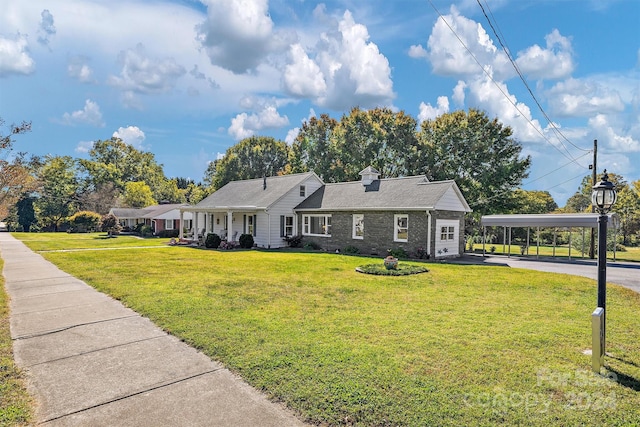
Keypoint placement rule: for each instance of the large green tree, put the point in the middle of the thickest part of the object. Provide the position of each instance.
(479, 153)
(253, 157)
(314, 148)
(114, 161)
(137, 195)
(15, 170)
(338, 151)
(534, 202)
(59, 187)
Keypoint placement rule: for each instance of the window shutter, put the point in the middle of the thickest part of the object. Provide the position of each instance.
(244, 224)
(282, 225)
(255, 225)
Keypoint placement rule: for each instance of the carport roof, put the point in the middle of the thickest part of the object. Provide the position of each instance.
(547, 220)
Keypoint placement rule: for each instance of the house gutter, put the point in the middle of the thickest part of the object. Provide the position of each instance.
(429, 233)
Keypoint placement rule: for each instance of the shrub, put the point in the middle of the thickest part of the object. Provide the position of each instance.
(351, 250)
(398, 253)
(167, 233)
(226, 245)
(212, 241)
(110, 224)
(246, 241)
(84, 221)
(420, 253)
(146, 231)
(294, 241)
(312, 246)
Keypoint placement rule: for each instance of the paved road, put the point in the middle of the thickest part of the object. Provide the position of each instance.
(90, 361)
(626, 274)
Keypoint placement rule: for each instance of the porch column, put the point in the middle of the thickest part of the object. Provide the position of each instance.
(195, 226)
(229, 225)
(180, 233)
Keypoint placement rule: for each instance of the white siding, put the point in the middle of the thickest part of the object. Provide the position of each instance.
(285, 206)
(450, 202)
(450, 247)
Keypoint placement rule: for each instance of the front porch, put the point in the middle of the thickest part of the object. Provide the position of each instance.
(228, 224)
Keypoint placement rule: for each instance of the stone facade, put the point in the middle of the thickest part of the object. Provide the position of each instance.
(379, 231)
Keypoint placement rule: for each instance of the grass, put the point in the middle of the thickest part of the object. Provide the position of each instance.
(15, 403)
(71, 241)
(475, 345)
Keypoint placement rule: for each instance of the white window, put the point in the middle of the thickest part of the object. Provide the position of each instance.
(168, 224)
(358, 226)
(303, 191)
(316, 225)
(447, 234)
(250, 225)
(288, 226)
(401, 228)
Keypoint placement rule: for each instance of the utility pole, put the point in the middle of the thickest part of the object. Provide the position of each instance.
(592, 246)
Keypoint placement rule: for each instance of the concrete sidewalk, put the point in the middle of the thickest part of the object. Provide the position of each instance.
(91, 361)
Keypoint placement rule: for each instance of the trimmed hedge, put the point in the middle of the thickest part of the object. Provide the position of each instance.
(246, 241)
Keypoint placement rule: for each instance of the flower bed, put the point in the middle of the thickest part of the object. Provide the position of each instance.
(402, 269)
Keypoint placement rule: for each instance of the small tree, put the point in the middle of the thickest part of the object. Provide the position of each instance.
(84, 221)
(110, 224)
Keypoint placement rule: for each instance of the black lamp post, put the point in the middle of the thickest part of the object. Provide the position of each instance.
(603, 198)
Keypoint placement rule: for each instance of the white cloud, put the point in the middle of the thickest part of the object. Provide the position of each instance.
(428, 112)
(14, 56)
(90, 115)
(292, 135)
(79, 69)
(583, 98)
(450, 58)
(132, 135)
(245, 125)
(47, 29)
(237, 35)
(84, 146)
(499, 102)
(145, 75)
(417, 51)
(458, 92)
(554, 62)
(604, 131)
(347, 69)
(303, 77)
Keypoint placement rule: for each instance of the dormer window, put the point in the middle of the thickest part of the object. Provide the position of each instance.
(303, 191)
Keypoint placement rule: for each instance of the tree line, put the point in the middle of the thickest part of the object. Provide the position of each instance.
(478, 152)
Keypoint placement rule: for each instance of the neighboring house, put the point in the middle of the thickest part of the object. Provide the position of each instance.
(261, 207)
(158, 217)
(373, 214)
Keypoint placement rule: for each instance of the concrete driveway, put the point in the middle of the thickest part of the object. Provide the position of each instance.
(626, 274)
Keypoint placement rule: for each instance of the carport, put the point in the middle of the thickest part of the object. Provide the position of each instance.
(538, 221)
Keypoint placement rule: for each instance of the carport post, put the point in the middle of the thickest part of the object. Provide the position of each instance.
(484, 240)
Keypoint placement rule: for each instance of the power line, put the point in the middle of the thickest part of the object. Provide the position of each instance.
(500, 88)
(524, 81)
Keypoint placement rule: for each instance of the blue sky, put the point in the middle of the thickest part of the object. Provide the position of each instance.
(188, 79)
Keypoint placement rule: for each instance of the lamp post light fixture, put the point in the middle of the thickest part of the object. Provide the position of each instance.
(603, 198)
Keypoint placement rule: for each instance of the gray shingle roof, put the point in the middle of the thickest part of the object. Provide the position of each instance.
(155, 211)
(251, 193)
(148, 212)
(410, 193)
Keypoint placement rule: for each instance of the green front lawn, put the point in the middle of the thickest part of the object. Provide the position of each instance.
(459, 345)
(69, 241)
(15, 402)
